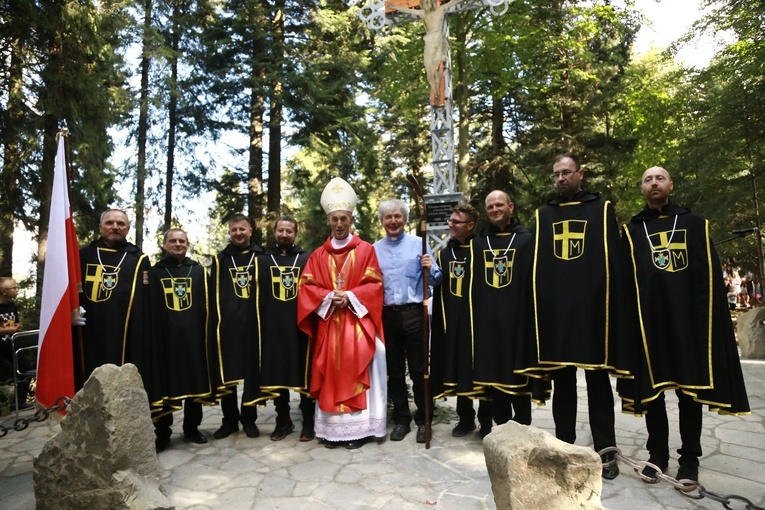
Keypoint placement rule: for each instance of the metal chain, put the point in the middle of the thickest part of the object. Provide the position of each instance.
(691, 489)
(40, 416)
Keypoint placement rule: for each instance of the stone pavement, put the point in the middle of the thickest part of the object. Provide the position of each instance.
(241, 473)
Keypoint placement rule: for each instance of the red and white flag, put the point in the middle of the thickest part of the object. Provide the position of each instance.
(55, 361)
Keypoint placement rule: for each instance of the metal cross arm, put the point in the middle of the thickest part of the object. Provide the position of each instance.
(380, 15)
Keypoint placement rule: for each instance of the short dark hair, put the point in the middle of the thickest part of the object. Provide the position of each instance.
(570, 155)
(174, 229)
(468, 210)
(237, 217)
(286, 218)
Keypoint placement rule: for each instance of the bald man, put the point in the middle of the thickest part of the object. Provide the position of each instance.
(682, 331)
(577, 288)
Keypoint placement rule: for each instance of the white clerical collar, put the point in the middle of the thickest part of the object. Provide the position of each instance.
(341, 243)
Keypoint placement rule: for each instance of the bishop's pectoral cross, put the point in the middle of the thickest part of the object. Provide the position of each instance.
(339, 281)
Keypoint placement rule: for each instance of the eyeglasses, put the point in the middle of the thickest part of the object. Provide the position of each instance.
(565, 173)
(456, 222)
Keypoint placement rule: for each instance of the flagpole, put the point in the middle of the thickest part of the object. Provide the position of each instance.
(60, 297)
(78, 345)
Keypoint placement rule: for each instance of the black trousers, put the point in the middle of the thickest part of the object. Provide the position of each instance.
(690, 428)
(404, 346)
(230, 409)
(282, 406)
(192, 418)
(508, 407)
(600, 404)
(467, 414)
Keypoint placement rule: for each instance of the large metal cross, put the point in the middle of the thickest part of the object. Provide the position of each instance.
(380, 16)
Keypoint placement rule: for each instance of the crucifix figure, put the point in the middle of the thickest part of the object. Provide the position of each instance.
(436, 41)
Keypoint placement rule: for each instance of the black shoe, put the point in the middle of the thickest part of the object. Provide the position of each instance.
(161, 444)
(332, 444)
(399, 432)
(281, 431)
(688, 471)
(355, 444)
(651, 472)
(307, 433)
(420, 434)
(251, 430)
(485, 430)
(462, 429)
(195, 437)
(225, 431)
(612, 471)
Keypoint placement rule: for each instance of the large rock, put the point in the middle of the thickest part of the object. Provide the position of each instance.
(531, 469)
(104, 456)
(750, 329)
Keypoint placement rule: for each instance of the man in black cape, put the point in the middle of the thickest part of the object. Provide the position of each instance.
(451, 346)
(577, 285)
(179, 335)
(502, 331)
(284, 348)
(115, 282)
(234, 356)
(684, 336)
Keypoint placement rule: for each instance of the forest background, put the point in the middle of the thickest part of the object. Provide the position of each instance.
(185, 111)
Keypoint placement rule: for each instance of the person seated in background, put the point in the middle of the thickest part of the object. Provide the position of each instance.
(10, 325)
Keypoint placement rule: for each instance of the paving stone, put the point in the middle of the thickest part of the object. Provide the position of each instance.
(240, 473)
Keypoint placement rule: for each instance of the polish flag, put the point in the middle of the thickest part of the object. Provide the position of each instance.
(55, 361)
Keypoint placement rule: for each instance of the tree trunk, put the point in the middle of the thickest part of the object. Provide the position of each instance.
(497, 125)
(461, 101)
(275, 118)
(9, 192)
(255, 165)
(143, 126)
(172, 112)
(47, 169)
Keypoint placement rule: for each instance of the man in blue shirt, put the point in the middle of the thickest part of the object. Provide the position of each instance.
(401, 261)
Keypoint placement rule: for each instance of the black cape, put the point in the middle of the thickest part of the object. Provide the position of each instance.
(234, 356)
(115, 283)
(682, 331)
(502, 330)
(283, 347)
(180, 327)
(451, 351)
(577, 285)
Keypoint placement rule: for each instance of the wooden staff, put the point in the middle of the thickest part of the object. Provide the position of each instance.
(425, 320)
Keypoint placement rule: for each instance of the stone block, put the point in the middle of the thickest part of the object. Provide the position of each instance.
(530, 468)
(104, 456)
(750, 330)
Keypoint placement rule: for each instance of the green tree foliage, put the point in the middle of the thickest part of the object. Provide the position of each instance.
(544, 77)
(337, 133)
(66, 56)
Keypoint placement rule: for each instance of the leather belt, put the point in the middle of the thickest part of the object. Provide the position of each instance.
(401, 308)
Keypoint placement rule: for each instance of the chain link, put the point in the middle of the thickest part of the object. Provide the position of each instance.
(40, 416)
(691, 489)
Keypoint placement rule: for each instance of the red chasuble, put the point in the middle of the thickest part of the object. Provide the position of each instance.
(343, 345)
